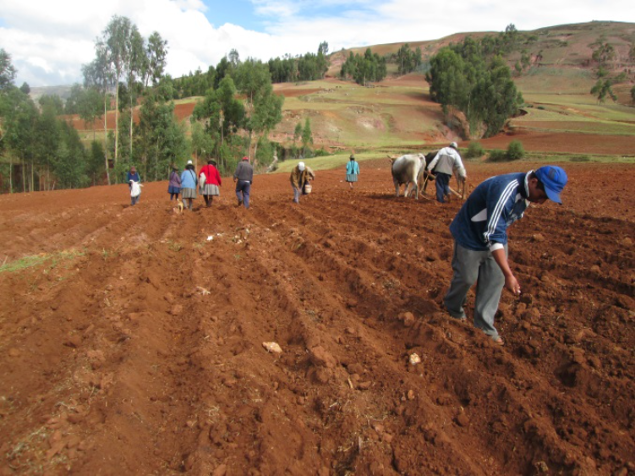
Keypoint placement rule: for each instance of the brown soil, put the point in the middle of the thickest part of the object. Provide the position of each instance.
(564, 142)
(143, 353)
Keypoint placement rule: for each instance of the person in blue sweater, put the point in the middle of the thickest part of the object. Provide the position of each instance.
(352, 171)
(480, 240)
(189, 182)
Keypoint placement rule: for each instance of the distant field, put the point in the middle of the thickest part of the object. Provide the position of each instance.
(398, 113)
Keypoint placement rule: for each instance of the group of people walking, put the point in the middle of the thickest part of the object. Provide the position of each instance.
(479, 229)
(208, 182)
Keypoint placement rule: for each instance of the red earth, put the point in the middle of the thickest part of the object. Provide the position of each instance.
(136, 346)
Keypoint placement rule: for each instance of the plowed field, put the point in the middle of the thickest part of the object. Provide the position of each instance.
(134, 345)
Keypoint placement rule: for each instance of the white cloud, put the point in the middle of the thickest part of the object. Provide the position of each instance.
(50, 40)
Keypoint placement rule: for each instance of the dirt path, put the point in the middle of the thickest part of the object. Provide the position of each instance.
(139, 349)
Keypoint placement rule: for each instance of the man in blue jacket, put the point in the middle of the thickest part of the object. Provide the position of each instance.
(480, 239)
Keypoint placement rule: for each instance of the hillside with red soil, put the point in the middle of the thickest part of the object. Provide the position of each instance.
(136, 345)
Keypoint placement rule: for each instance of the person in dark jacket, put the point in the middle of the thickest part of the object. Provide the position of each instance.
(244, 177)
(174, 186)
(133, 176)
(480, 240)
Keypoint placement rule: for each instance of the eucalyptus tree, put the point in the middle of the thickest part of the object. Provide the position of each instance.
(19, 115)
(98, 75)
(156, 53)
(7, 70)
(116, 40)
(221, 115)
(135, 71)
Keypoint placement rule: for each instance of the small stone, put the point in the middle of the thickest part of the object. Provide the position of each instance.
(595, 268)
(176, 309)
(411, 395)
(220, 470)
(272, 347)
(462, 420)
(538, 238)
(414, 358)
(321, 358)
(408, 319)
(627, 242)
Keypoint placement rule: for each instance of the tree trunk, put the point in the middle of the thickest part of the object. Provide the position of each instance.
(10, 175)
(131, 114)
(116, 126)
(106, 136)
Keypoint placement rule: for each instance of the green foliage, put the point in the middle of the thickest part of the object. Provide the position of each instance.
(321, 152)
(7, 70)
(408, 60)
(515, 150)
(265, 151)
(194, 84)
(465, 77)
(497, 156)
(602, 89)
(474, 150)
(307, 136)
(297, 133)
(603, 53)
(364, 69)
(307, 67)
(160, 138)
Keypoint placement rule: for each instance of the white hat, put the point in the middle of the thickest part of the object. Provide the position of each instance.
(189, 162)
(454, 146)
(301, 166)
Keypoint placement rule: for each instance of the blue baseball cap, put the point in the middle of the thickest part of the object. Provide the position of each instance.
(554, 179)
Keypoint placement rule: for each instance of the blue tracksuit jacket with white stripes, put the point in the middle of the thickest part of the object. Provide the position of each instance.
(482, 222)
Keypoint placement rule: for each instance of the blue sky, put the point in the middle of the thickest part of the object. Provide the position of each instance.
(49, 40)
(238, 12)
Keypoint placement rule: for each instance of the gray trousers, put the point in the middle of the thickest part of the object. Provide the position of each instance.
(475, 267)
(296, 194)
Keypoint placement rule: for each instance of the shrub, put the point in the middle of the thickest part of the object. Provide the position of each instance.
(497, 156)
(475, 149)
(515, 150)
(321, 152)
(581, 158)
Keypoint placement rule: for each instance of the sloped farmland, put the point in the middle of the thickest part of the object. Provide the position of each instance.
(131, 338)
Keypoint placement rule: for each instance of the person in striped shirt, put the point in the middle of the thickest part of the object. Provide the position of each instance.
(480, 240)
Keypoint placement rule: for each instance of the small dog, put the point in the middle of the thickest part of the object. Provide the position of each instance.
(179, 207)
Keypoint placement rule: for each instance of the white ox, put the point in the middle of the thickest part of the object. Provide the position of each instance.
(406, 170)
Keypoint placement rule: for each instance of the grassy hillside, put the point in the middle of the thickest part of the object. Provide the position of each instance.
(398, 113)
